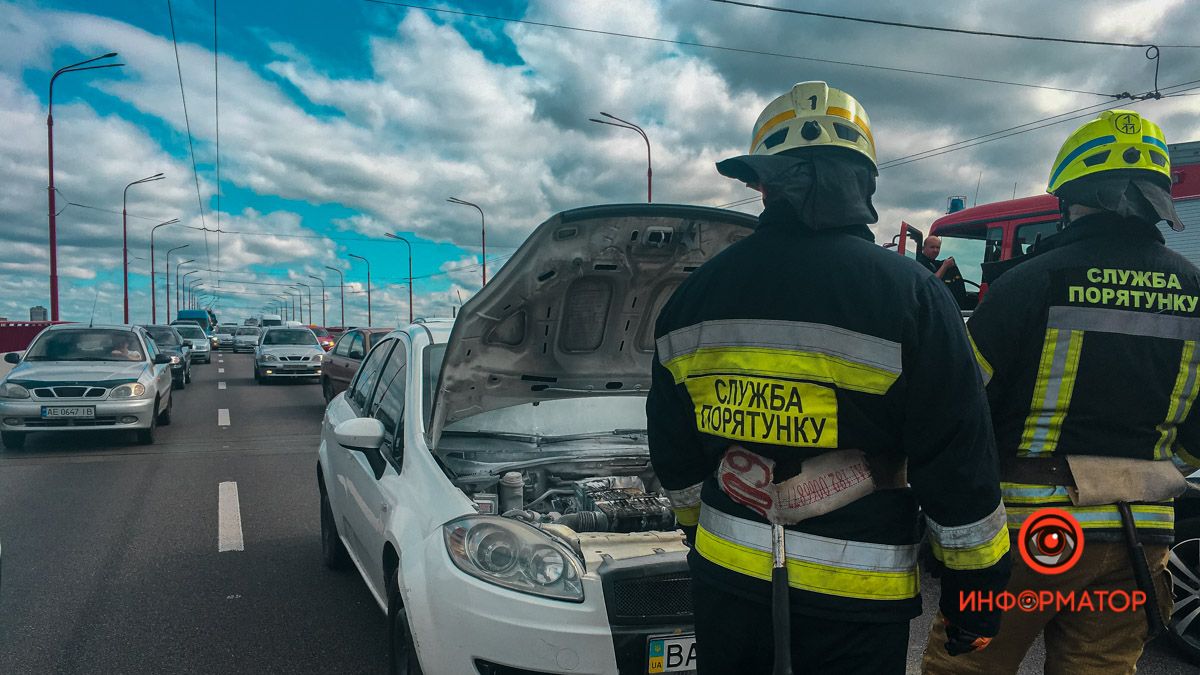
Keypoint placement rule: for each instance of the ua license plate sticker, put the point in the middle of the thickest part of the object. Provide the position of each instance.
(672, 654)
(74, 412)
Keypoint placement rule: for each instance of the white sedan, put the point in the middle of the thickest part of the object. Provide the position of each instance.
(489, 478)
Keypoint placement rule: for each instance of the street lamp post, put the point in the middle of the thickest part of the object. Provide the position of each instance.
(410, 285)
(370, 322)
(625, 124)
(179, 284)
(191, 291)
(53, 215)
(125, 236)
(341, 285)
(153, 288)
(176, 279)
(313, 276)
(182, 287)
(309, 289)
(482, 232)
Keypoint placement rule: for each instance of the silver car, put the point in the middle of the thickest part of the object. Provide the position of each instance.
(83, 378)
(222, 337)
(245, 339)
(195, 337)
(290, 352)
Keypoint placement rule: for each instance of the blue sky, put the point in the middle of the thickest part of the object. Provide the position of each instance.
(341, 121)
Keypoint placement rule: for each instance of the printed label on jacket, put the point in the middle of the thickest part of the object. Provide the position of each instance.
(764, 410)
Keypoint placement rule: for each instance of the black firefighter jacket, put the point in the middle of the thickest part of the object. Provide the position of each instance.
(794, 342)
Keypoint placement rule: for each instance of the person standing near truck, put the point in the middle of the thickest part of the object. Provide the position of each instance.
(1089, 351)
(799, 418)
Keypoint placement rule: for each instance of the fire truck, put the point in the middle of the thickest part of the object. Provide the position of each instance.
(1005, 230)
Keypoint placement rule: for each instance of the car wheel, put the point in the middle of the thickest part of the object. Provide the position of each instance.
(177, 383)
(1184, 565)
(333, 551)
(13, 440)
(164, 418)
(402, 650)
(327, 389)
(146, 436)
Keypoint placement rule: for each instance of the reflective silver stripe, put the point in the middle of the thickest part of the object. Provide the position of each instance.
(1124, 322)
(1183, 394)
(685, 498)
(978, 533)
(811, 548)
(786, 335)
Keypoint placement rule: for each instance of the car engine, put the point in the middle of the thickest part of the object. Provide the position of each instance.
(594, 504)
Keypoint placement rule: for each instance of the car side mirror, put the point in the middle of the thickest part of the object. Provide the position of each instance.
(360, 434)
(161, 359)
(12, 357)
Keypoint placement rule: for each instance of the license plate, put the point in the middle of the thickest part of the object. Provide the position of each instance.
(82, 411)
(294, 366)
(671, 654)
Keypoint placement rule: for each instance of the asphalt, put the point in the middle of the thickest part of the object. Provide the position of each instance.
(111, 560)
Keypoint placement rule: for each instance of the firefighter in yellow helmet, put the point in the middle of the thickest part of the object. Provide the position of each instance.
(815, 406)
(1089, 350)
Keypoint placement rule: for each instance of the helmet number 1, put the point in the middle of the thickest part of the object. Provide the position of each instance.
(812, 102)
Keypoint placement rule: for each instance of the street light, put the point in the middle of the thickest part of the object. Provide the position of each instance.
(176, 277)
(342, 285)
(313, 276)
(410, 291)
(153, 289)
(368, 262)
(483, 232)
(309, 289)
(625, 124)
(125, 235)
(191, 290)
(179, 284)
(182, 287)
(53, 215)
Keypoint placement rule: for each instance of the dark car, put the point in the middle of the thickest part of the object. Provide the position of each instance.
(1185, 570)
(343, 361)
(170, 342)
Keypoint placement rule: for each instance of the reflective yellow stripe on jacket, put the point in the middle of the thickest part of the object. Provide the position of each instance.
(1023, 499)
(838, 567)
(974, 546)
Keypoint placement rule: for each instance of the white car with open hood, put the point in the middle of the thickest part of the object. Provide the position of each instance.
(489, 477)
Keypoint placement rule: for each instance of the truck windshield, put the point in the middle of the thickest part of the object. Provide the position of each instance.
(967, 254)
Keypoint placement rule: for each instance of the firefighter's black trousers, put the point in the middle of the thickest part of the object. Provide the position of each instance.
(734, 637)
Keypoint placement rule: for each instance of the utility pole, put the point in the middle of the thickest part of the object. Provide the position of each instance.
(341, 285)
(483, 233)
(313, 276)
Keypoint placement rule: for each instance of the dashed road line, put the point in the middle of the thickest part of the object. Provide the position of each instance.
(220, 385)
(223, 417)
(220, 370)
(229, 518)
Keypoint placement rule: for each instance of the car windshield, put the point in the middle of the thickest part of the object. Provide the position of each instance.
(248, 331)
(290, 337)
(192, 332)
(91, 344)
(163, 337)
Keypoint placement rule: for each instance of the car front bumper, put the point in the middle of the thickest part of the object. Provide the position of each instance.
(243, 347)
(285, 369)
(507, 630)
(26, 415)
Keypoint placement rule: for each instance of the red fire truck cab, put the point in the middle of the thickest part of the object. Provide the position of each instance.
(1005, 230)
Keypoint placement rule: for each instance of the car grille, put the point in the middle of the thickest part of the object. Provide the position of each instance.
(92, 422)
(294, 358)
(70, 392)
(663, 597)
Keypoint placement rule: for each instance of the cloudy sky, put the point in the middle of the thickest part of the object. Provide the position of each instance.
(341, 120)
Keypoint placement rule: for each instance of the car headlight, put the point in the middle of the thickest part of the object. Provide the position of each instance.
(10, 390)
(175, 360)
(129, 390)
(269, 357)
(514, 555)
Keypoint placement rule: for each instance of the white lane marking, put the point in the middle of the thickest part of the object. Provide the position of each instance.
(229, 518)
(220, 360)
(223, 417)
(220, 385)
(220, 370)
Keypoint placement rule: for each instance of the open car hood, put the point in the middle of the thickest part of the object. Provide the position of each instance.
(572, 312)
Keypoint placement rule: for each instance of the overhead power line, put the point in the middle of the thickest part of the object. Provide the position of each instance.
(941, 29)
(738, 50)
(188, 125)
